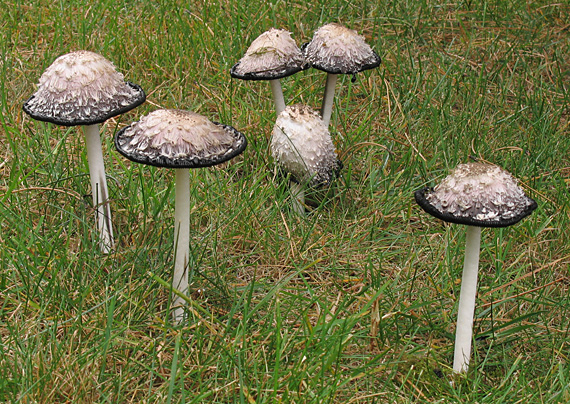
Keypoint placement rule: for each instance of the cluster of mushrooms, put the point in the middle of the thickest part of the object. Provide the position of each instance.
(301, 143)
(83, 88)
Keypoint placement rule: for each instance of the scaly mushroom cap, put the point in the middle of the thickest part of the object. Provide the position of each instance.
(272, 55)
(179, 139)
(82, 88)
(338, 50)
(301, 144)
(477, 194)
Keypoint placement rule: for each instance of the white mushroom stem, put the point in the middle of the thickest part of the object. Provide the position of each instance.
(99, 188)
(328, 98)
(298, 197)
(277, 95)
(464, 330)
(181, 240)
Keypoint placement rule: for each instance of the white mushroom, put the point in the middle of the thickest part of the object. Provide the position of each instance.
(301, 144)
(83, 88)
(336, 50)
(271, 56)
(180, 140)
(477, 195)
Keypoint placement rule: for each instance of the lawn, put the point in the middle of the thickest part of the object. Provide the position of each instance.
(354, 303)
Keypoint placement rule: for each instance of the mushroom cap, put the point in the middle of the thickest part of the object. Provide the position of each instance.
(301, 144)
(339, 50)
(179, 139)
(477, 194)
(82, 88)
(272, 55)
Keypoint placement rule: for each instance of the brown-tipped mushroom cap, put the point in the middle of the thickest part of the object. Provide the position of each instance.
(477, 194)
(82, 88)
(272, 55)
(302, 146)
(339, 50)
(179, 139)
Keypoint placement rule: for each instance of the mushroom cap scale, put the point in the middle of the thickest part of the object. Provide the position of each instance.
(339, 50)
(301, 144)
(272, 55)
(179, 139)
(477, 194)
(82, 88)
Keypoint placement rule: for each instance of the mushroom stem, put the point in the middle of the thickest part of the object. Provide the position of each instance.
(277, 95)
(181, 240)
(328, 98)
(99, 187)
(298, 197)
(464, 330)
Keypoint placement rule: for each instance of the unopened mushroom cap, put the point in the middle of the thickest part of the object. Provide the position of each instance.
(477, 194)
(272, 55)
(340, 50)
(301, 144)
(179, 139)
(82, 88)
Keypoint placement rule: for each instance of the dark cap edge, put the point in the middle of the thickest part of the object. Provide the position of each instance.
(421, 200)
(138, 101)
(266, 75)
(361, 68)
(181, 163)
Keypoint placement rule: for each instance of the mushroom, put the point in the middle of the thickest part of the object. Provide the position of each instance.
(301, 144)
(83, 88)
(477, 195)
(181, 140)
(271, 56)
(336, 50)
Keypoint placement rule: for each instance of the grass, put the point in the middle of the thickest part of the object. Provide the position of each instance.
(354, 304)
